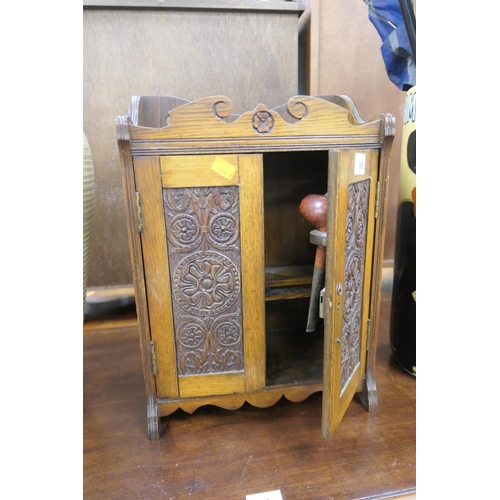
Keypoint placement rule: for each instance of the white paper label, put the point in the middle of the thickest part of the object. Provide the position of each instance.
(359, 164)
(268, 495)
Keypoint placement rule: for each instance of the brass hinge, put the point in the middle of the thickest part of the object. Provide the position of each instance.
(377, 198)
(368, 328)
(153, 356)
(139, 212)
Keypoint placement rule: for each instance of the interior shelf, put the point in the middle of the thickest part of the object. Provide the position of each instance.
(288, 282)
(292, 292)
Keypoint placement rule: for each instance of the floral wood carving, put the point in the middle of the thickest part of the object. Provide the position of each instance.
(356, 223)
(203, 236)
(263, 122)
(206, 283)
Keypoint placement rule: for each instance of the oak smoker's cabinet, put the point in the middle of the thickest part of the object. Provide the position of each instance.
(223, 260)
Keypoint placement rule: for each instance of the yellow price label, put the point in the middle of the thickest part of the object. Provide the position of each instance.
(223, 167)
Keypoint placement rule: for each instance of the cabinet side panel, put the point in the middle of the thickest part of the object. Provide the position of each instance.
(148, 182)
(129, 189)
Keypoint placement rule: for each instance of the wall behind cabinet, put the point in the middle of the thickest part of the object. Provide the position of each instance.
(246, 50)
(343, 57)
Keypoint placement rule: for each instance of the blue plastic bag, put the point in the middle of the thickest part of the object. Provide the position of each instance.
(396, 49)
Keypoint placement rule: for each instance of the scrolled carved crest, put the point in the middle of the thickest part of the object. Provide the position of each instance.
(194, 127)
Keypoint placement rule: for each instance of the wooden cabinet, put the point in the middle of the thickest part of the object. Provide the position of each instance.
(223, 261)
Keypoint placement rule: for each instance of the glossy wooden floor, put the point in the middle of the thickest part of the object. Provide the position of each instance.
(217, 454)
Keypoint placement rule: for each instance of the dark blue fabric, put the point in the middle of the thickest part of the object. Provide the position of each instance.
(396, 51)
(381, 12)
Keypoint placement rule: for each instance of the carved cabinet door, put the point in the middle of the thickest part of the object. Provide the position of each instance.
(202, 242)
(350, 235)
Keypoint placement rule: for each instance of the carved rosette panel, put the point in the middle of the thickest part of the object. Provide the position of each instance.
(263, 122)
(356, 224)
(203, 242)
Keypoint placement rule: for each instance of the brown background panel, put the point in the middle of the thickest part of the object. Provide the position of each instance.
(345, 58)
(286, 232)
(249, 55)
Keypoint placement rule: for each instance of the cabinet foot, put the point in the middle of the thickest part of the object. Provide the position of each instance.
(153, 432)
(368, 393)
(368, 396)
(153, 423)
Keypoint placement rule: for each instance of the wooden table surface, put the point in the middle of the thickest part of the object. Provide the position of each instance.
(221, 454)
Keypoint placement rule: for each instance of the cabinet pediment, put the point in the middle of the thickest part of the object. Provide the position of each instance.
(331, 120)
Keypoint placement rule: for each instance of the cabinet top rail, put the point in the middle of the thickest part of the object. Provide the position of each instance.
(168, 125)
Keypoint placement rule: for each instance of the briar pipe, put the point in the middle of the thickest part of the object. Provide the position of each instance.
(314, 209)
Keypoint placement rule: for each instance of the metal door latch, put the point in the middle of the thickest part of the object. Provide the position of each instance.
(321, 303)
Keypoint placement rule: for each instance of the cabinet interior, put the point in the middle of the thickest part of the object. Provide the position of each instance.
(293, 356)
